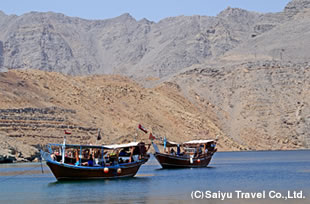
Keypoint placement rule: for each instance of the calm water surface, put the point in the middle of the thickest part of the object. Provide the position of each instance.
(229, 171)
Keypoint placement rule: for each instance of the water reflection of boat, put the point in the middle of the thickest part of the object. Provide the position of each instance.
(195, 153)
(95, 162)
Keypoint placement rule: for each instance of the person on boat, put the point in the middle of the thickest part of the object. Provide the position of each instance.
(172, 152)
(197, 151)
(142, 150)
(86, 153)
(97, 155)
(123, 152)
(132, 150)
(113, 157)
(206, 150)
(77, 163)
(53, 156)
(70, 154)
(213, 146)
(90, 161)
(178, 150)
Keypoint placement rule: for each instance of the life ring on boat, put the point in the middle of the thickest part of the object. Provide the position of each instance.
(106, 170)
(119, 171)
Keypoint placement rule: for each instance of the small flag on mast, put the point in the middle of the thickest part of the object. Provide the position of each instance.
(151, 137)
(67, 133)
(142, 128)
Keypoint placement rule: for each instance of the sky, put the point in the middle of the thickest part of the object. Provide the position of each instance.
(153, 10)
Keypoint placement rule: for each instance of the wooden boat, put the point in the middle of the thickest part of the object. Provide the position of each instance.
(95, 162)
(197, 153)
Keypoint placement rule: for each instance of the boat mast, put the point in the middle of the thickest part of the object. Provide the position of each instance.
(63, 150)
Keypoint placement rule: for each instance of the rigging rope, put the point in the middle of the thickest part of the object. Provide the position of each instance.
(21, 173)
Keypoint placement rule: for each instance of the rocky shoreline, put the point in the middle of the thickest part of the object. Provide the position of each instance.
(16, 151)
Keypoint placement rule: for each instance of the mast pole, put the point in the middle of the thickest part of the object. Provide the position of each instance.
(63, 150)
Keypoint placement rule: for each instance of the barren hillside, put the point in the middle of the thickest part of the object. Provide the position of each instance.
(37, 106)
(55, 42)
(261, 104)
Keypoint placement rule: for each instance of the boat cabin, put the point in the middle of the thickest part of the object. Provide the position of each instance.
(193, 147)
(97, 156)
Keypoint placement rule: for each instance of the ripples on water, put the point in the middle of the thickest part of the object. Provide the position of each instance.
(229, 171)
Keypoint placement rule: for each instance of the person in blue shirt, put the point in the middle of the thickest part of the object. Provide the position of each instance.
(90, 161)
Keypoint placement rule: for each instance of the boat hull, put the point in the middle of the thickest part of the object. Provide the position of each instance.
(71, 172)
(172, 161)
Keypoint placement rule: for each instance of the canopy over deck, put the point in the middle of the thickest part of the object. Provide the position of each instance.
(192, 142)
(119, 146)
(198, 142)
(172, 144)
(114, 146)
(78, 146)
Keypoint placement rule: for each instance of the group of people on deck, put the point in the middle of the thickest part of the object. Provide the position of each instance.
(195, 150)
(102, 157)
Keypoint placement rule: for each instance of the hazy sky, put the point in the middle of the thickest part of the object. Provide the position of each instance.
(154, 10)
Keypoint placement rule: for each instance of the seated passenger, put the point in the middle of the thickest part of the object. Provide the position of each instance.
(123, 153)
(178, 150)
(90, 161)
(172, 152)
(77, 160)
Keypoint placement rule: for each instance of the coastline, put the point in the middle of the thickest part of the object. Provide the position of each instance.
(37, 159)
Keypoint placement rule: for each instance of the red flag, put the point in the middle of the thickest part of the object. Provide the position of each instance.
(142, 128)
(151, 137)
(67, 133)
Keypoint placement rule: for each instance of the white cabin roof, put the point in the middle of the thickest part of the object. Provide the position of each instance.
(116, 146)
(173, 143)
(198, 141)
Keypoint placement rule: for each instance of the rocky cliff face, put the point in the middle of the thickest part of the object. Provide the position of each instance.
(261, 103)
(1, 54)
(54, 42)
(284, 41)
(295, 6)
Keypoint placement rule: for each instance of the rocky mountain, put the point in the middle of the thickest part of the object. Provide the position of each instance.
(295, 6)
(265, 103)
(287, 41)
(55, 42)
(37, 106)
(259, 90)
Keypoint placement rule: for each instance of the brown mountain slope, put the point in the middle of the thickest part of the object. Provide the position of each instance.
(263, 105)
(37, 106)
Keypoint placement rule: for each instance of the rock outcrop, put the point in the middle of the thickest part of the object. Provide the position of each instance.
(295, 6)
(16, 151)
(1, 54)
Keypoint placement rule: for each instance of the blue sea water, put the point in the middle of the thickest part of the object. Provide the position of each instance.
(278, 171)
